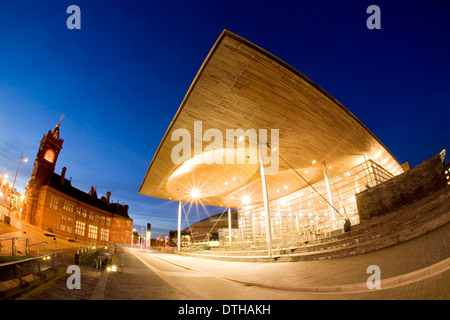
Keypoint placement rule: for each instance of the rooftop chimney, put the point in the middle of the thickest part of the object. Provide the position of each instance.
(108, 196)
(63, 175)
(93, 192)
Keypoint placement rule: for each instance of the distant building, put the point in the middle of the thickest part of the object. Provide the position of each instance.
(213, 228)
(53, 204)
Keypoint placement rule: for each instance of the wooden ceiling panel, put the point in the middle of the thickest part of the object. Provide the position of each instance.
(241, 86)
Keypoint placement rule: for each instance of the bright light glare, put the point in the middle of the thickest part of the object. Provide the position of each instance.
(195, 193)
(246, 199)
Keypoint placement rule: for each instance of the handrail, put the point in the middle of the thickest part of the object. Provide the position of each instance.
(43, 243)
(30, 259)
(10, 238)
(108, 257)
(40, 243)
(14, 242)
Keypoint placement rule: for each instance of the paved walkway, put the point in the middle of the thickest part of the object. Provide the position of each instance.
(151, 275)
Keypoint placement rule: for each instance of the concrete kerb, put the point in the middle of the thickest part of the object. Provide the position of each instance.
(388, 283)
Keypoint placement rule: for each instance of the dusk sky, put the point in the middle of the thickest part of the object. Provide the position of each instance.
(120, 79)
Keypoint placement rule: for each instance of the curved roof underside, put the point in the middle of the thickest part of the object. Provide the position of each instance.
(241, 86)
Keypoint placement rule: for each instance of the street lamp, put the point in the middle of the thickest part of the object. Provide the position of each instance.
(14, 185)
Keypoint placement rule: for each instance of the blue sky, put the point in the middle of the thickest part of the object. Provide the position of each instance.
(121, 78)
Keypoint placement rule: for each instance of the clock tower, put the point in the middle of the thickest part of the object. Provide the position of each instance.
(44, 167)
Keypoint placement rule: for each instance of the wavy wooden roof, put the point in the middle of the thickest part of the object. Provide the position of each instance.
(240, 85)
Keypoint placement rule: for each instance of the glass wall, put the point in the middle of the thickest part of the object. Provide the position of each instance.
(306, 213)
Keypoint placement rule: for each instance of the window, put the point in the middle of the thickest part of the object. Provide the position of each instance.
(79, 228)
(41, 198)
(53, 203)
(62, 225)
(118, 223)
(104, 234)
(78, 211)
(68, 206)
(92, 232)
(91, 215)
(84, 213)
(108, 221)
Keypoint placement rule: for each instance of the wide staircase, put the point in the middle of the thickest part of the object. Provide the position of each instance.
(410, 221)
(30, 257)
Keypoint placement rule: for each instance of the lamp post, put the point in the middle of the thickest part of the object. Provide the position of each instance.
(8, 219)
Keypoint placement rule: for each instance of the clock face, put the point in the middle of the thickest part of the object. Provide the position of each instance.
(49, 156)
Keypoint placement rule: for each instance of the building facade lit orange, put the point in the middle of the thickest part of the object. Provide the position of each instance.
(54, 205)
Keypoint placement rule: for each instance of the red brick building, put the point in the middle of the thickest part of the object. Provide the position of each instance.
(53, 204)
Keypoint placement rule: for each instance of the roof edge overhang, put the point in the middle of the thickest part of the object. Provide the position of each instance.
(226, 33)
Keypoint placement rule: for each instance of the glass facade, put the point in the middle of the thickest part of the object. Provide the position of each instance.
(306, 213)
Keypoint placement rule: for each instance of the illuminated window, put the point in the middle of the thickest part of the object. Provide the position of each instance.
(53, 203)
(68, 206)
(80, 228)
(92, 232)
(104, 234)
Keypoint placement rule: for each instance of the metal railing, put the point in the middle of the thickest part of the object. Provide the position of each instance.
(111, 260)
(15, 241)
(44, 244)
(36, 265)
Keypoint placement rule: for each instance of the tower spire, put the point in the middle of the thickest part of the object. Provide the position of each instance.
(60, 119)
(55, 131)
